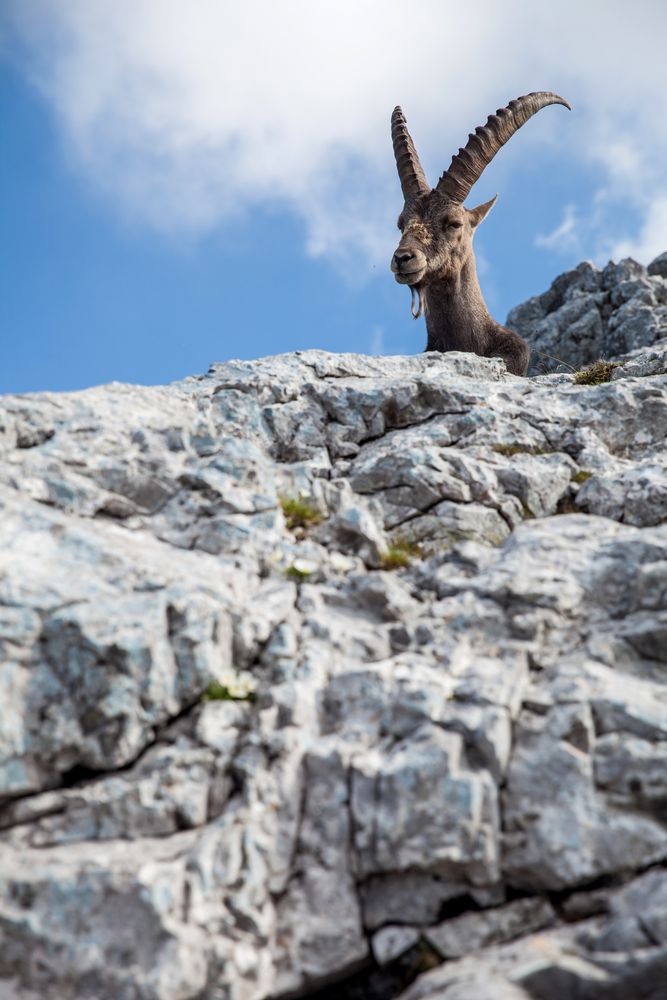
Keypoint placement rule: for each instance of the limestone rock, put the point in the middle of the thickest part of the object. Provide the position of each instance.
(323, 662)
(473, 931)
(622, 952)
(589, 314)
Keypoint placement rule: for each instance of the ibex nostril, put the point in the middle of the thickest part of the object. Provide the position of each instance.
(403, 257)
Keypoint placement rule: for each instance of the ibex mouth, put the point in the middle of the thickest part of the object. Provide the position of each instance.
(419, 291)
(409, 277)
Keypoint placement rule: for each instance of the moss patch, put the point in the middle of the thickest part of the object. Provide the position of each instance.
(600, 371)
(581, 476)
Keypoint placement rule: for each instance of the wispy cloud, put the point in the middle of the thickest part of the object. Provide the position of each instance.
(184, 115)
(565, 237)
(651, 238)
(377, 341)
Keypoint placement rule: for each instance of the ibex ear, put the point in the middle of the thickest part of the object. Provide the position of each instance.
(476, 215)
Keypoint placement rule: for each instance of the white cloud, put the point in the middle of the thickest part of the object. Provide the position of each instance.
(377, 341)
(185, 114)
(651, 239)
(565, 236)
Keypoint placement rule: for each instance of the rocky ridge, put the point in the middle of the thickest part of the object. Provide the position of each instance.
(337, 676)
(590, 313)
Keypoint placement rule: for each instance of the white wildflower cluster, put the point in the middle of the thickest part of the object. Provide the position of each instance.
(239, 684)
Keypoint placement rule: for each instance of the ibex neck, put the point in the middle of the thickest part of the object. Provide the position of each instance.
(456, 315)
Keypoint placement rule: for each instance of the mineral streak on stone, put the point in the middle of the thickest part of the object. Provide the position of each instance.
(243, 760)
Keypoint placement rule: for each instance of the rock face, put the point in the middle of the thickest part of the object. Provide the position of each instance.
(322, 671)
(588, 314)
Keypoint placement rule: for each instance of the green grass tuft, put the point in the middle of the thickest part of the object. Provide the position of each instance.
(400, 554)
(299, 514)
(600, 371)
(297, 573)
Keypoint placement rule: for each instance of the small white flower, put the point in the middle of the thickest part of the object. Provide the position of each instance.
(240, 684)
(305, 567)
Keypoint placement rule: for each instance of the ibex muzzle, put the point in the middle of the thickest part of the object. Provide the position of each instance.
(435, 256)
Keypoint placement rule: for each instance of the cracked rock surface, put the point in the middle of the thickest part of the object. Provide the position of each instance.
(590, 313)
(337, 676)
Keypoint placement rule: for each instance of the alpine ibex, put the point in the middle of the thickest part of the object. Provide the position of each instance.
(435, 256)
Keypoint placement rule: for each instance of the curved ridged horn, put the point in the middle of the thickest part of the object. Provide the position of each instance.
(412, 177)
(483, 144)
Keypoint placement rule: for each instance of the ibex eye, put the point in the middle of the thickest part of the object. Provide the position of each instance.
(453, 225)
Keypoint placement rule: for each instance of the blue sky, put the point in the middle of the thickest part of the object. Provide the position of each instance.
(166, 204)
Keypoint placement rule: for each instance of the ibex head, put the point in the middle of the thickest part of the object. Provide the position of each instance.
(437, 228)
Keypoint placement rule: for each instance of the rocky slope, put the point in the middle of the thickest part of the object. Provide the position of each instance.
(588, 313)
(336, 676)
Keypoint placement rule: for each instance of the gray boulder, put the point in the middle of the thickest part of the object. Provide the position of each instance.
(321, 670)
